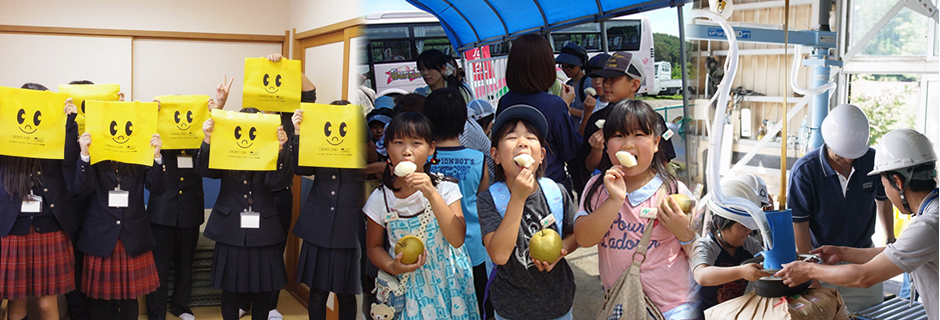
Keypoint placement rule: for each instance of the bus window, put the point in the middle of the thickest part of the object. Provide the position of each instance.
(499, 49)
(429, 31)
(373, 33)
(390, 50)
(623, 35)
(434, 43)
(587, 35)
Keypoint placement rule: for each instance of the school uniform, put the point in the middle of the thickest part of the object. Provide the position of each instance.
(117, 241)
(330, 223)
(246, 260)
(175, 217)
(36, 256)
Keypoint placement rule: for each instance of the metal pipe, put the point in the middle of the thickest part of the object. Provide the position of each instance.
(685, 93)
(820, 77)
(824, 7)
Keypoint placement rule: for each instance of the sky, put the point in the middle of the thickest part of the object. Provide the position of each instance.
(662, 20)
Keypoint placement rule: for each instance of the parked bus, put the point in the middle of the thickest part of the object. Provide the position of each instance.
(393, 41)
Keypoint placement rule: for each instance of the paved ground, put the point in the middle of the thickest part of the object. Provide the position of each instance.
(589, 295)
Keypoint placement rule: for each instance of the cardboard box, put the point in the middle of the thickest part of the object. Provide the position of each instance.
(814, 304)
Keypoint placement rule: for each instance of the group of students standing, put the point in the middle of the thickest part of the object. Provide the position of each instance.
(471, 203)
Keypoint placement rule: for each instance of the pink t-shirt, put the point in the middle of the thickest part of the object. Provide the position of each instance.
(665, 274)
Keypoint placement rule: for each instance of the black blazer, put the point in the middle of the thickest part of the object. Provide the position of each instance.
(182, 204)
(332, 215)
(105, 225)
(59, 210)
(224, 223)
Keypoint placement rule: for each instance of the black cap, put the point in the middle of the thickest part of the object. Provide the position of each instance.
(621, 63)
(596, 63)
(525, 112)
(572, 54)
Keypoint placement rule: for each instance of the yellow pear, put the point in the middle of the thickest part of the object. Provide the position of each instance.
(685, 203)
(410, 247)
(545, 245)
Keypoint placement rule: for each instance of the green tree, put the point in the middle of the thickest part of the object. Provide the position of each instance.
(666, 48)
(888, 105)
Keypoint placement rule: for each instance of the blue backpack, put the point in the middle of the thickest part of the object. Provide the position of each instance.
(556, 203)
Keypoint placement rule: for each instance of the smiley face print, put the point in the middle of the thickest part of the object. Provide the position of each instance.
(272, 84)
(243, 140)
(121, 132)
(183, 120)
(335, 137)
(29, 122)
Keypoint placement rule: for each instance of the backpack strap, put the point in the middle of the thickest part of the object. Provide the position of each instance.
(556, 203)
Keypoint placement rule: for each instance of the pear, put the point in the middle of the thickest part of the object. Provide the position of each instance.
(524, 160)
(626, 159)
(404, 168)
(590, 92)
(411, 247)
(600, 123)
(685, 203)
(545, 245)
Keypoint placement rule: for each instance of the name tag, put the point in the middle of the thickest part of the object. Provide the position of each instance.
(184, 162)
(33, 205)
(251, 220)
(649, 213)
(117, 199)
(548, 221)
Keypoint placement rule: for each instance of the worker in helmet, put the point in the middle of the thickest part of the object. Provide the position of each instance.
(906, 164)
(834, 202)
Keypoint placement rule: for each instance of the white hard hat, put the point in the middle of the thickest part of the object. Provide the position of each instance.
(737, 188)
(758, 185)
(846, 131)
(902, 148)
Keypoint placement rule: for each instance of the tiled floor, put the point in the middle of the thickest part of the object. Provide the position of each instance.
(288, 306)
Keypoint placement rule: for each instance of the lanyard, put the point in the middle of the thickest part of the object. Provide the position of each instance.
(931, 197)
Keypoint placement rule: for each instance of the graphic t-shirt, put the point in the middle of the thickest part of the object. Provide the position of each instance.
(466, 165)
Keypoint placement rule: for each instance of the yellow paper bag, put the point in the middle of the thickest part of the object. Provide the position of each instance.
(181, 119)
(121, 131)
(32, 123)
(81, 92)
(332, 136)
(244, 141)
(272, 86)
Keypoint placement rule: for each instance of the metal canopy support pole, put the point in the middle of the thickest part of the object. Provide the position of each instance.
(683, 59)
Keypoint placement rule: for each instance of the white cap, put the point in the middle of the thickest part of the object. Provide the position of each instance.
(902, 148)
(846, 131)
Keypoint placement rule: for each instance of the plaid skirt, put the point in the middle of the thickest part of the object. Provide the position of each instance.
(36, 265)
(119, 276)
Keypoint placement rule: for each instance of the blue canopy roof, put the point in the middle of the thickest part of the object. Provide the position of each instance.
(474, 23)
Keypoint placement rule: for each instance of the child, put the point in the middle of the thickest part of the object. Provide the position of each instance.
(615, 225)
(330, 226)
(521, 203)
(623, 76)
(447, 112)
(716, 261)
(247, 261)
(116, 238)
(438, 286)
(483, 113)
(36, 257)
